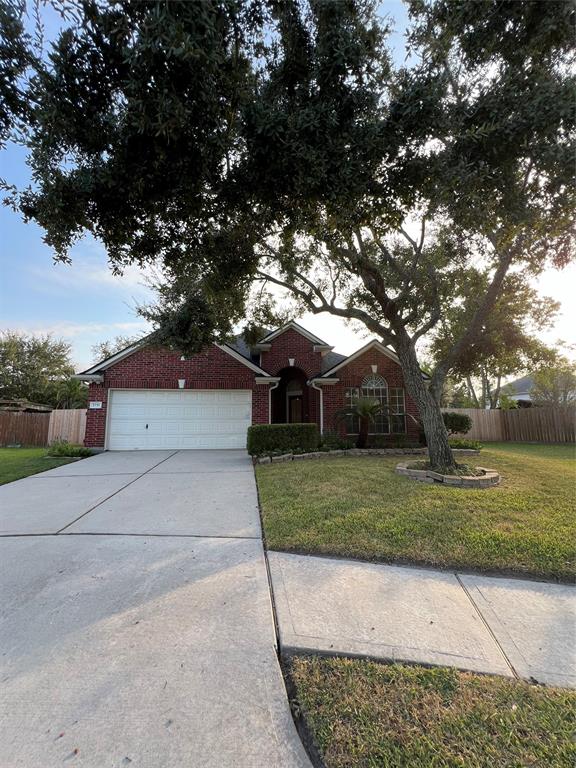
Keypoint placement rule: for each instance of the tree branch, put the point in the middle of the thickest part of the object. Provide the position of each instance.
(353, 313)
(471, 333)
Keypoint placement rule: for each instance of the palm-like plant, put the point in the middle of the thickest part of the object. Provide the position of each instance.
(365, 409)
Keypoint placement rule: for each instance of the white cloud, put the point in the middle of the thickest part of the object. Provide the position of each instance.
(68, 330)
(86, 276)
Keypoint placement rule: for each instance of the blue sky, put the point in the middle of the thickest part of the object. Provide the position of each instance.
(84, 303)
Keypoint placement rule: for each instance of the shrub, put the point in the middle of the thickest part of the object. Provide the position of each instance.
(332, 442)
(457, 423)
(391, 441)
(282, 438)
(68, 450)
(463, 443)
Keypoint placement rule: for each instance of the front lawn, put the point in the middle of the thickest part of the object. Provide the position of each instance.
(16, 463)
(363, 714)
(358, 507)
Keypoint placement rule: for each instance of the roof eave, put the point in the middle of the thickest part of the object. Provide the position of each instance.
(93, 378)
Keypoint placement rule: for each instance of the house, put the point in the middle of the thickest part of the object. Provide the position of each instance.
(146, 397)
(520, 390)
(21, 405)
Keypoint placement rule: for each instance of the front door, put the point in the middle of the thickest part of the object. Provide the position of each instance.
(295, 409)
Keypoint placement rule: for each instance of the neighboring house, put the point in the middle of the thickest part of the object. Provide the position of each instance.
(520, 390)
(21, 405)
(146, 397)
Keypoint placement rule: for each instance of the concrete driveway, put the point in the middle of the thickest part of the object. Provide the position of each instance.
(135, 622)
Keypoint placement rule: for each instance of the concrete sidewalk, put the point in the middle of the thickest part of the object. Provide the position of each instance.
(508, 627)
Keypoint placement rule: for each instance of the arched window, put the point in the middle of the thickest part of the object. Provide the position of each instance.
(392, 420)
(374, 386)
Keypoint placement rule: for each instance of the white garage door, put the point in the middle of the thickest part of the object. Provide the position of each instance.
(206, 418)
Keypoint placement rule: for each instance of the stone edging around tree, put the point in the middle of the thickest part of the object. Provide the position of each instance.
(354, 452)
(489, 479)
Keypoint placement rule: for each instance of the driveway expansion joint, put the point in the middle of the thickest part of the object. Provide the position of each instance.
(103, 501)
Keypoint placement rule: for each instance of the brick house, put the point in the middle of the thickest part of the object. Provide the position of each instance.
(146, 397)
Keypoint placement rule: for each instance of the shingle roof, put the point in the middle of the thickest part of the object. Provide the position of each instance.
(521, 385)
(239, 344)
(331, 359)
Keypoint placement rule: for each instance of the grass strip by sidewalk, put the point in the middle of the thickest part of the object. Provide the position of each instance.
(362, 714)
(359, 508)
(16, 463)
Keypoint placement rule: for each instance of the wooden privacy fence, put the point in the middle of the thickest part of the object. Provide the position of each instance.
(24, 428)
(523, 425)
(42, 428)
(69, 425)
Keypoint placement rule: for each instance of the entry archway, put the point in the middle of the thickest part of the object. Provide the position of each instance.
(290, 399)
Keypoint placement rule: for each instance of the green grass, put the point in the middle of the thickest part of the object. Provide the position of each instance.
(358, 507)
(16, 463)
(367, 715)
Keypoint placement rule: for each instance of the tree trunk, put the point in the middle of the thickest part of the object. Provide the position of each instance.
(362, 433)
(439, 451)
(472, 392)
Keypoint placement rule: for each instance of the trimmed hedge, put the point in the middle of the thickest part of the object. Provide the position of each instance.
(266, 438)
(464, 443)
(457, 423)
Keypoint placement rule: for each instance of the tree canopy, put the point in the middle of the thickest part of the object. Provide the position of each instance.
(38, 368)
(275, 145)
(105, 349)
(507, 344)
(555, 385)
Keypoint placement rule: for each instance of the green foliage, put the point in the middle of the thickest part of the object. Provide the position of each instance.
(15, 57)
(555, 386)
(242, 144)
(457, 423)
(106, 349)
(364, 410)
(391, 441)
(38, 368)
(506, 402)
(473, 445)
(506, 345)
(264, 439)
(335, 442)
(64, 448)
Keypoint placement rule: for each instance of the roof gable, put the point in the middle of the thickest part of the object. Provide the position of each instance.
(124, 353)
(374, 344)
(299, 329)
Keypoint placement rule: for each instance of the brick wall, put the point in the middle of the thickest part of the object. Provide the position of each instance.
(155, 368)
(291, 344)
(351, 375)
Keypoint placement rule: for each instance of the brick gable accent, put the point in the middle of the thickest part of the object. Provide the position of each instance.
(291, 344)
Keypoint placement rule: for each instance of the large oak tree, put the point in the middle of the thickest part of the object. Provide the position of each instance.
(275, 143)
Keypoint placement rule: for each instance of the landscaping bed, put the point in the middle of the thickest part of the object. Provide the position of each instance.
(463, 476)
(16, 463)
(360, 713)
(361, 509)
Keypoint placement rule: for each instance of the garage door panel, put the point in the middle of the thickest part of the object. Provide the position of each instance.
(178, 419)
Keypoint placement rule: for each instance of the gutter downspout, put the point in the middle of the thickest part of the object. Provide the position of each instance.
(315, 386)
(270, 400)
